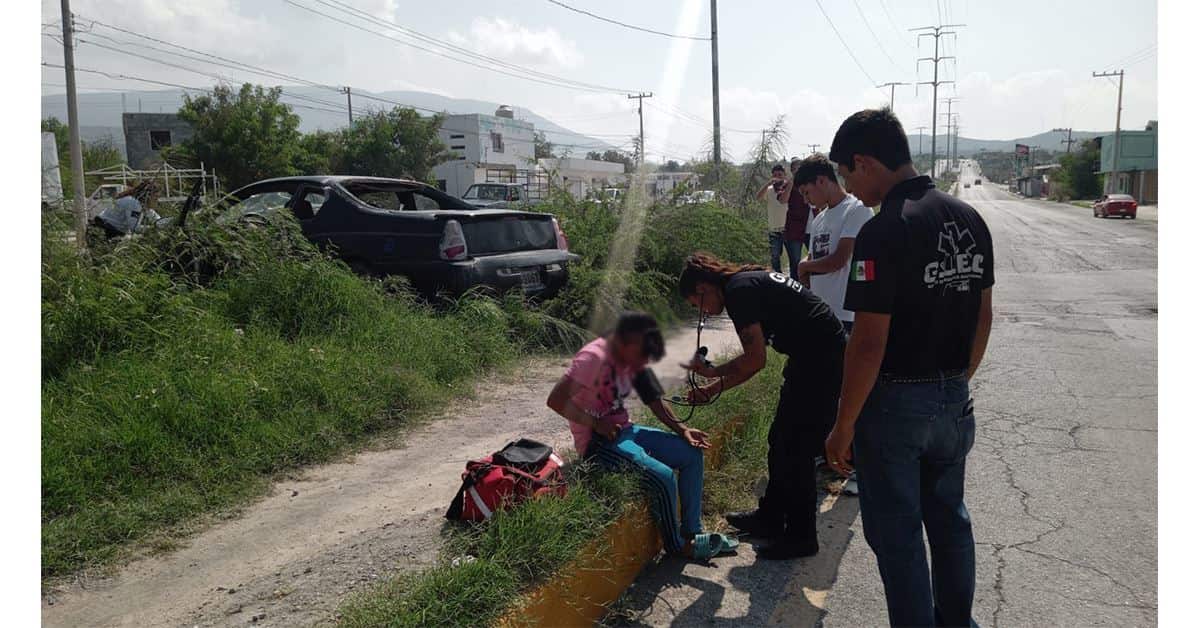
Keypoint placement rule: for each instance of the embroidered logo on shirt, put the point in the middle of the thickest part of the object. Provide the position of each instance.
(864, 270)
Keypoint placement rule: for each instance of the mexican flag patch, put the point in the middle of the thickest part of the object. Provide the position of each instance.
(864, 270)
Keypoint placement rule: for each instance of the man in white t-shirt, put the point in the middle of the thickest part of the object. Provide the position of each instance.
(779, 186)
(831, 232)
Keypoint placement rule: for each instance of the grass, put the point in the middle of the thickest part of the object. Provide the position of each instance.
(483, 568)
(521, 547)
(181, 372)
(164, 398)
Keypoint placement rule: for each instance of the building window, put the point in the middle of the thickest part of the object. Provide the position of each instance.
(459, 147)
(457, 136)
(160, 140)
(497, 142)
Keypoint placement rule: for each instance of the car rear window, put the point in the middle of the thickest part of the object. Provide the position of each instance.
(394, 196)
(508, 234)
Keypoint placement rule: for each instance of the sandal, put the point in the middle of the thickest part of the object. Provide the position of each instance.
(710, 544)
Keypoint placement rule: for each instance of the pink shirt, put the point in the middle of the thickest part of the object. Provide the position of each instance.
(603, 387)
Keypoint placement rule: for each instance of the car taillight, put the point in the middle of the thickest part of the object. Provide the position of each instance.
(561, 237)
(453, 246)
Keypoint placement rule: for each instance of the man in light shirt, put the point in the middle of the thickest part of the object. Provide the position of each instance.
(831, 234)
(779, 186)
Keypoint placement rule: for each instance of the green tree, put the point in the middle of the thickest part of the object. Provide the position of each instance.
(245, 135)
(319, 152)
(670, 166)
(96, 155)
(613, 156)
(396, 143)
(1077, 177)
(542, 147)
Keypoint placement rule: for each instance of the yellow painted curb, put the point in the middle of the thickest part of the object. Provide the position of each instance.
(580, 594)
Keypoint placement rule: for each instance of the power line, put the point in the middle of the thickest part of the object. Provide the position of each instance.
(225, 60)
(844, 45)
(873, 35)
(528, 74)
(365, 16)
(892, 21)
(629, 26)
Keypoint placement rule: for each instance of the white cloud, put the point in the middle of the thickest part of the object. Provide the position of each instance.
(510, 41)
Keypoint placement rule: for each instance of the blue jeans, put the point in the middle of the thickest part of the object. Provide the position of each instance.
(657, 455)
(910, 450)
(794, 250)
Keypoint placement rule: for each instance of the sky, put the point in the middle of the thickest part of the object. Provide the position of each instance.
(1021, 67)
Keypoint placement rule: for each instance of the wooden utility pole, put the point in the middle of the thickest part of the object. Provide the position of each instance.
(73, 125)
(1067, 141)
(641, 126)
(936, 32)
(1110, 186)
(921, 141)
(716, 90)
(349, 109)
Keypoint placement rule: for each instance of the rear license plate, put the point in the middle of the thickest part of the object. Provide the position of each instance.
(531, 280)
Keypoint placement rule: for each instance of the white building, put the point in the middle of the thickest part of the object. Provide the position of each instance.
(579, 177)
(483, 143)
(662, 184)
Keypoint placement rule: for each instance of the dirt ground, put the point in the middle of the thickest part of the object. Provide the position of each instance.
(290, 558)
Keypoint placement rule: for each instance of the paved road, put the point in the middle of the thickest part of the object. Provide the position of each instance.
(1062, 482)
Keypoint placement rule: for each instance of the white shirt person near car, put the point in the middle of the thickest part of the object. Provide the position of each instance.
(832, 233)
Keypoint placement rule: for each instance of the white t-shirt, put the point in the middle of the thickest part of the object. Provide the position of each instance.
(826, 230)
(776, 211)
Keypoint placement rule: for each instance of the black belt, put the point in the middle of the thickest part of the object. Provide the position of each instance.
(927, 378)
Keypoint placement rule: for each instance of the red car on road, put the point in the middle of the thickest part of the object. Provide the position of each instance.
(1121, 205)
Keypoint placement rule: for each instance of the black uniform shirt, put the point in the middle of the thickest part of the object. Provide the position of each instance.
(924, 259)
(794, 321)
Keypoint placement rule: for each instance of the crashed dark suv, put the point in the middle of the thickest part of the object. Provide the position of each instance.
(400, 227)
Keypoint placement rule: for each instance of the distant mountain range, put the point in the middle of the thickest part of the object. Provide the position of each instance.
(1050, 141)
(100, 112)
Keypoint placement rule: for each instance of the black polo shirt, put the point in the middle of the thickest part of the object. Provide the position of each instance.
(794, 320)
(924, 259)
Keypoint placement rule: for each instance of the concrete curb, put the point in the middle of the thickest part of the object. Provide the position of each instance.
(580, 593)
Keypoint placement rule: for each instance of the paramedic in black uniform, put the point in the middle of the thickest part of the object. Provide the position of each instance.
(921, 290)
(770, 308)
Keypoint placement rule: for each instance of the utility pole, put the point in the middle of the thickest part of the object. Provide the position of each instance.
(936, 32)
(921, 139)
(1110, 186)
(813, 148)
(1067, 141)
(349, 109)
(641, 126)
(716, 89)
(892, 104)
(73, 124)
(949, 120)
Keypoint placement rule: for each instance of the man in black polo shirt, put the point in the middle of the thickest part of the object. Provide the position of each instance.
(920, 286)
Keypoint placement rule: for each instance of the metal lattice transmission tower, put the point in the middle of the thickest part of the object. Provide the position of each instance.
(936, 32)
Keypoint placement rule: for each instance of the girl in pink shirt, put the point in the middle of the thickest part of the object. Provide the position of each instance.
(591, 396)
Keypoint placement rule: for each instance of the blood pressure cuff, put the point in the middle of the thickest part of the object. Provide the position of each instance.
(647, 386)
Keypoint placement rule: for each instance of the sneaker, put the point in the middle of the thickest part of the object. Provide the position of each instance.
(710, 544)
(750, 522)
(786, 548)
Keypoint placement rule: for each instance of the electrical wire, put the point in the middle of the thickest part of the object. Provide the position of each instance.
(629, 26)
(873, 35)
(523, 73)
(846, 46)
(892, 21)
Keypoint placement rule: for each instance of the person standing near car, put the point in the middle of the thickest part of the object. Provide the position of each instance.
(827, 267)
(771, 309)
(775, 191)
(921, 290)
